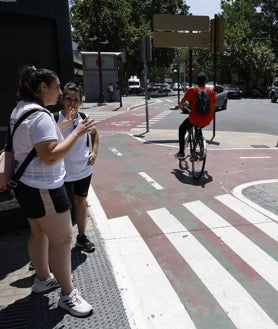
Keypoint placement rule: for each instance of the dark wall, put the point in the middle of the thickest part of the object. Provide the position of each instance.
(36, 33)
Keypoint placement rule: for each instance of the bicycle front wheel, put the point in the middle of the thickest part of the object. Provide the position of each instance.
(198, 157)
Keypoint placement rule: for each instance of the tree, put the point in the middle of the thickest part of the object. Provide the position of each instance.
(124, 22)
(246, 61)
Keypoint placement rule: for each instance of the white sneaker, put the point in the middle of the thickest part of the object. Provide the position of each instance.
(43, 286)
(75, 304)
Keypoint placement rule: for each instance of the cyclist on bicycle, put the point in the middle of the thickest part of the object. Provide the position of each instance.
(194, 118)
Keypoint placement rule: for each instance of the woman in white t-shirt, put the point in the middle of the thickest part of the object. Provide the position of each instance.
(79, 161)
(41, 192)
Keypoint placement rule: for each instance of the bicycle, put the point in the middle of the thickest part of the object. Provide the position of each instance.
(197, 152)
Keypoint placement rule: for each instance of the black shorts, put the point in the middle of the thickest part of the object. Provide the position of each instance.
(79, 187)
(37, 203)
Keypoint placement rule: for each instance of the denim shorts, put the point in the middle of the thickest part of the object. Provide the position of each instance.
(37, 203)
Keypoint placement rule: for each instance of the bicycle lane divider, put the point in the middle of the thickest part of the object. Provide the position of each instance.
(150, 181)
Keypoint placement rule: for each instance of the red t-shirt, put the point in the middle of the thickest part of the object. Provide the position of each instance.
(194, 117)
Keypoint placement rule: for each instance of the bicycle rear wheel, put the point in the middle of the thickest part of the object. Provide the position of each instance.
(198, 157)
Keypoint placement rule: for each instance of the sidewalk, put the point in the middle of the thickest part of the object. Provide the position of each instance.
(92, 273)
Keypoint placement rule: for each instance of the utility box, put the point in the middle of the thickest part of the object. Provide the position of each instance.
(99, 69)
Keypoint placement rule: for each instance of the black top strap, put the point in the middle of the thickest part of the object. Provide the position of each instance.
(31, 154)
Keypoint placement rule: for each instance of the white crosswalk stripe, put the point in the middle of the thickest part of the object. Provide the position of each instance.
(100, 116)
(266, 266)
(237, 303)
(140, 277)
(155, 119)
(259, 220)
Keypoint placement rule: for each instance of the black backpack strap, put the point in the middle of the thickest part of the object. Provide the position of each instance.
(83, 116)
(56, 116)
(14, 181)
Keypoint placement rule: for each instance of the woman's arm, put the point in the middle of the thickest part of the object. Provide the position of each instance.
(95, 144)
(52, 151)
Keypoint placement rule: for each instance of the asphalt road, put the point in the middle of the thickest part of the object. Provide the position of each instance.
(244, 115)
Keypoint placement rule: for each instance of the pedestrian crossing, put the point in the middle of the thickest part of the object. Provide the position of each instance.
(223, 262)
(100, 116)
(155, 119)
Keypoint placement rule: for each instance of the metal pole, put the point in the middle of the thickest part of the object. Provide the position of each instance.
(101, 94)
(214, 68)
(178, 72)
(190, 67)
(146, 95)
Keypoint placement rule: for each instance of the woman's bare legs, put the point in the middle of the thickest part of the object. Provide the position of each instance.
(80, 213)
(50, 243)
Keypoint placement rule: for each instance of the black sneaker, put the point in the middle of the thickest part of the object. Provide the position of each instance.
(179, 155)
(84, 243)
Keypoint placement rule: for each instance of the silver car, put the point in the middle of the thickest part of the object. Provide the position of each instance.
(221, 97)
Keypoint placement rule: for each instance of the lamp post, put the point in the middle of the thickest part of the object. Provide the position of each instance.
(100, 37)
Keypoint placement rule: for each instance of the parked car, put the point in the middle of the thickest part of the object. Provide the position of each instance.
(233, 91)
(177, 86)
(273, 93)
(161, 88)
(221, 98)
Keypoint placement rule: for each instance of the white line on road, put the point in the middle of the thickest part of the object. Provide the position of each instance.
(150, 181)
(262, 222)
(259, 260)
(159, 301)
(239, 306)
(258, 157)
(149, 299)
(115, 151)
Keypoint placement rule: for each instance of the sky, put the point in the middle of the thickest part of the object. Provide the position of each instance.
(204, 7)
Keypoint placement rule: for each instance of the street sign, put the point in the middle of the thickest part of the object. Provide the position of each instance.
(176, 39)
(217, 34)
(173, 31)
(180, 23)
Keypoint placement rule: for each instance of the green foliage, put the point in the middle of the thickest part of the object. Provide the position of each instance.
(124, 22)
(249, 53)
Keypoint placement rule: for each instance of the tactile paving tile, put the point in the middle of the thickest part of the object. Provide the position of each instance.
(93, 277)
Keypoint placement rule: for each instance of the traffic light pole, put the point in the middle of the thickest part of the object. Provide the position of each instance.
(214, 69)
(146, 55)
